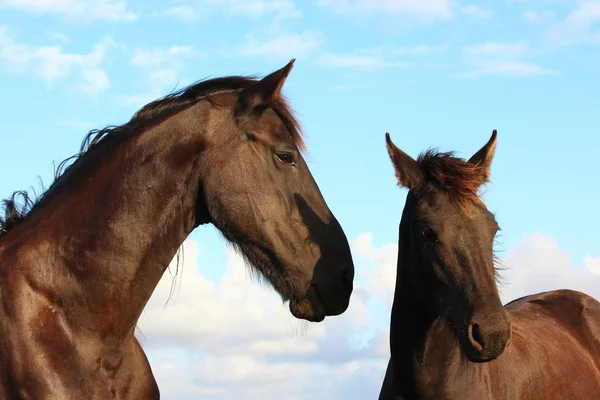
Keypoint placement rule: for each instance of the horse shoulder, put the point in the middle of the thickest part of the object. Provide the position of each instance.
(563, 322)
(590, 325)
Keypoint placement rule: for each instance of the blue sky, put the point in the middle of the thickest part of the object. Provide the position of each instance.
(435, 73)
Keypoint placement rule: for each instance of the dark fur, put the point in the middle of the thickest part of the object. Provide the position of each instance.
(461, 180)
(16, 208)
(446, 285)
(78, 267)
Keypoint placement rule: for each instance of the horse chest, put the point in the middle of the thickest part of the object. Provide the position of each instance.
(442, 372)
(82, 368)
(111, 376)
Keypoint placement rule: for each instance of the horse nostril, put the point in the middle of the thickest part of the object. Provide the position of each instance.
(348, 278)
(475, 337)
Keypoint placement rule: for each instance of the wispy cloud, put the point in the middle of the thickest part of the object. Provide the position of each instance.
(592, 264)
(107, 10)
(138, 100)
(162, 65)
(184, 12)
(381, 279)
(78, 125)
(507, 68)
(356, 60)
(501, 59)
(52, 63)
(422, 9)
(161, 69)
(582, 25)
(58, 36)
(476, 12)
(380, 57)
(282, 46)
(255, 8)
(538, 264)
(310, 44)
(253, 337)
(537, 17)
(192, 10)
(496, 50)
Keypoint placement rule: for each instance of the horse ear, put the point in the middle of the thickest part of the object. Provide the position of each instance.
(408, 171)
(483, 158)
(265, 90)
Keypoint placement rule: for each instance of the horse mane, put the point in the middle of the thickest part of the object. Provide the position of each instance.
(462, 180)
(15, 209)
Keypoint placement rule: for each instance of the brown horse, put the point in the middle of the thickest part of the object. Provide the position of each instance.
(450, 336)
(77, 270)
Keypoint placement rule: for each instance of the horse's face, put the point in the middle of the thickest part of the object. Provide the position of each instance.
(451, 252)
(453, 260)
(261, 195)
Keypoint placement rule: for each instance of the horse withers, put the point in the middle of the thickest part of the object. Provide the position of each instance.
(78, 267)
(450, 337)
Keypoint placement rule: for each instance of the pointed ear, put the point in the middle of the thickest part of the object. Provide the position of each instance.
(265, 90)
(484, 156)
(408, 171)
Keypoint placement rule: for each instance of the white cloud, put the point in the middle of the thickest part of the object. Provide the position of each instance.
(94, 81)
(537, 17)
(501, 59)
(190, 11)
(52, 63)
(381, 275)
(579, 26)
(255, 8)
(233, 338)
(476, 12)
(592, 264)
(508, 69)
(162, 69)
(530, 16)
(77, 125)
(538, 264)
(184, 12)
(352, 60)
(162, 65)
(138, 100)
(107, 10)
(58, 36)
(232, 305)
(496, 50)
(380, 57)
(283, 46)
(423, 9)
(230, 338)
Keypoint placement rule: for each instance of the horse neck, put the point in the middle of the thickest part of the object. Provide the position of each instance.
(412, 318)
(110, 226)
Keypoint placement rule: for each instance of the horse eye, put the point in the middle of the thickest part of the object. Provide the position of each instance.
(429, 234)
(285, 158)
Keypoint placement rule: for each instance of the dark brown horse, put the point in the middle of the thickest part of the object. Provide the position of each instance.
(77, 270)
(450, 336)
